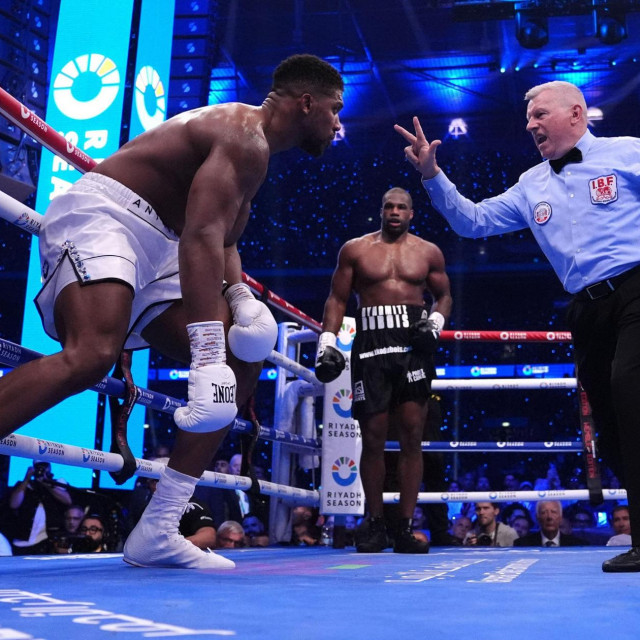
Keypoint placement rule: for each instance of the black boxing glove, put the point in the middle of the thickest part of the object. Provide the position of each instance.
(330, 362)
(424, 334)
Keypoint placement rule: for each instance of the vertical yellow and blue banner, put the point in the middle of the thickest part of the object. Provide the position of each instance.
(153, 65)
(85, 104)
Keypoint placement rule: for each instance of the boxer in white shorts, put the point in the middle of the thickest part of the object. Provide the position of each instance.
(137, 253)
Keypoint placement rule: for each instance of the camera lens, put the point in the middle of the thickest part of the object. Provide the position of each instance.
(40, 470)
(484, 540)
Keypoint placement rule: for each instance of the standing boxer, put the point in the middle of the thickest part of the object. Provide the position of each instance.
(135, 254)
(392, 355)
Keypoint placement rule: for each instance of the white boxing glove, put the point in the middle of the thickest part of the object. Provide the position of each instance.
(211, 402)
(254, 331)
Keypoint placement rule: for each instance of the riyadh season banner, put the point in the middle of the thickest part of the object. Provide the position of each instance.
(341, 492)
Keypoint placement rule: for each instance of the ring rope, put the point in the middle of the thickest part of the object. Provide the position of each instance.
(13, 355)
(294, 367)
(507, 336)
(477, 447)
(49, 451)
(507, 496)
(493, 384)
(39, 130)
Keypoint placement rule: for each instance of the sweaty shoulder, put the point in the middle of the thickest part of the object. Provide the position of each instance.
(235, 126)
(355, 246)
(415, 243)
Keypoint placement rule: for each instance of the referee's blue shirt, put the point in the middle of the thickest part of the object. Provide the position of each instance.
(586, 218)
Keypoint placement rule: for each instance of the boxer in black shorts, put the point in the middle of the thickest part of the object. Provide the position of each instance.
(390, 271)
(386, 371)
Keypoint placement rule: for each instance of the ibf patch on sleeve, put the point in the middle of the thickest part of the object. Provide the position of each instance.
(604, 189)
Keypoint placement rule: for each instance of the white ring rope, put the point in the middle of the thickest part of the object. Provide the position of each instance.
(494, 384)
(507, 496)
(490, 447)
(49, 451)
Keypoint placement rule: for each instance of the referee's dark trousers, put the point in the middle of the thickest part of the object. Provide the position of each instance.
(604, 320)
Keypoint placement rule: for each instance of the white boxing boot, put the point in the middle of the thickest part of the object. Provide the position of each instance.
(155, 540)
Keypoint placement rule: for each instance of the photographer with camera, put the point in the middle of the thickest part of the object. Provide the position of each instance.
(487, 530)
(37, 506)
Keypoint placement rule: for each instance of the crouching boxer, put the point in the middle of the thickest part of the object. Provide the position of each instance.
(392, 366)
(135, 254)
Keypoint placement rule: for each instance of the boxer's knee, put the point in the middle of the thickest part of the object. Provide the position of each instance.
(86, 365)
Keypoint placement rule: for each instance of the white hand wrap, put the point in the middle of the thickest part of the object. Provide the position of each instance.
(326, 339)
(438, 319)
(329, 361)
(254, 331)
(211, 402)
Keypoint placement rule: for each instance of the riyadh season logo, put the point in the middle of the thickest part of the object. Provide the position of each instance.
(86, 86)
(345, 337)
(342, 403)
(150, 98)
(344, 471)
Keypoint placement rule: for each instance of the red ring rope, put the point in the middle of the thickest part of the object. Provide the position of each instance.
(507, 336)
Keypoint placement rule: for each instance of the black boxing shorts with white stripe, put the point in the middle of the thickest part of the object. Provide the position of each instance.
(385, 370)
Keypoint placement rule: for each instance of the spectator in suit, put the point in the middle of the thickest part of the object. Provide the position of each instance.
(549, 517)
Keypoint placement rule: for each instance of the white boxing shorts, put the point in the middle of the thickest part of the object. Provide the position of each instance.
(101, 230)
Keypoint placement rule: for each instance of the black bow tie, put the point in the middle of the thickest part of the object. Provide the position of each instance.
(574, 155)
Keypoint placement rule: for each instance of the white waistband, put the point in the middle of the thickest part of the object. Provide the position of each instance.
(123, 196)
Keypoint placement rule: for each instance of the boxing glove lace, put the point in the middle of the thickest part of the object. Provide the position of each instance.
(329, 361)
(254, 330)
(211, 404)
